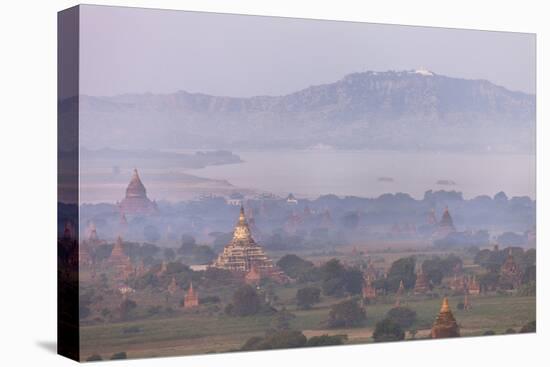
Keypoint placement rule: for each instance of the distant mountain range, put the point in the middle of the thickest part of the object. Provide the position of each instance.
(395, 110)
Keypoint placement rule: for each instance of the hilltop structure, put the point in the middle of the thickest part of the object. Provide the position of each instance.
(291, 199)
(136, 201)
(445, 325)
(191, 298)
(242, 254)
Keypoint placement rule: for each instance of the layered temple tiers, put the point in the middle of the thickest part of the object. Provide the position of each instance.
(243, 254)
(136, 201)
(445, 325)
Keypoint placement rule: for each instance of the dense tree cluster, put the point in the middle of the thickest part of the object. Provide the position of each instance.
(247, 302)
(388, 330)
(337, 280)
(400, 270)
(437, 268)
(291, 339)
(306, 297)
(346, 314)
(403, 316)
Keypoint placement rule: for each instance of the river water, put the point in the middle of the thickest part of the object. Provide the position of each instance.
(310, 173)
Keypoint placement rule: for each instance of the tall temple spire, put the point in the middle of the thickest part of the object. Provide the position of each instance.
(242, 230)
(446, 220)
(444, 305)
(135, 187)
(136, 200)
(191, 298)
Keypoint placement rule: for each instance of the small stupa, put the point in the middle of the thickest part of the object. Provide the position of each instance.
(191, 298)
(119, 261)
(445, 325)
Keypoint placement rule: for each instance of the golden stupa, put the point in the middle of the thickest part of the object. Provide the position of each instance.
(242, 253)
(445, 325)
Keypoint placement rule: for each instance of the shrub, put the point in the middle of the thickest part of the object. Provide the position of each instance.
(530, 327)
(403, 316)
(246, 302)
(94, 357)
(119, 355)
(317, 341)
(277, 340)
(388, 330)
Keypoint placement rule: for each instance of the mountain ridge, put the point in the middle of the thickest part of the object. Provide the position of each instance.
(371, 105)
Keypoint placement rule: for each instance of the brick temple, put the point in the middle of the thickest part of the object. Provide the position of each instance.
(136, 201)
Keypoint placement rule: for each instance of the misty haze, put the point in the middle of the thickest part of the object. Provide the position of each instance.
(252, 183)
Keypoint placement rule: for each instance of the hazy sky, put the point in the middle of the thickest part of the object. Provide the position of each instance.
(128, 50)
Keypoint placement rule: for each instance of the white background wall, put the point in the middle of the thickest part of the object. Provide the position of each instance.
(28, 182)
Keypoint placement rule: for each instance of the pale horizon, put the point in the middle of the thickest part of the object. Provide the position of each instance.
(134, 50)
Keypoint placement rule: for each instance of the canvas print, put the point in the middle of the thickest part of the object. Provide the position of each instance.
(235, 183)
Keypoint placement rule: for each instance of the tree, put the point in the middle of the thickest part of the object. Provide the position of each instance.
(126, 306)
(388, 330)
(530, 327)
(151, 233)
(203, 254)
(169, 254)
(530, 274)
(188, 243)
(277, 340)
(402, 270)
(489, 332)
(119, 355)
(294, 266)
(337, 279)
(281, 320)
(433, 270)
(403, 316)
(322, 340)
(246, 301)
(353, 281)
(346, 314)
(94, 357)
(332, 273)
(306, 297)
